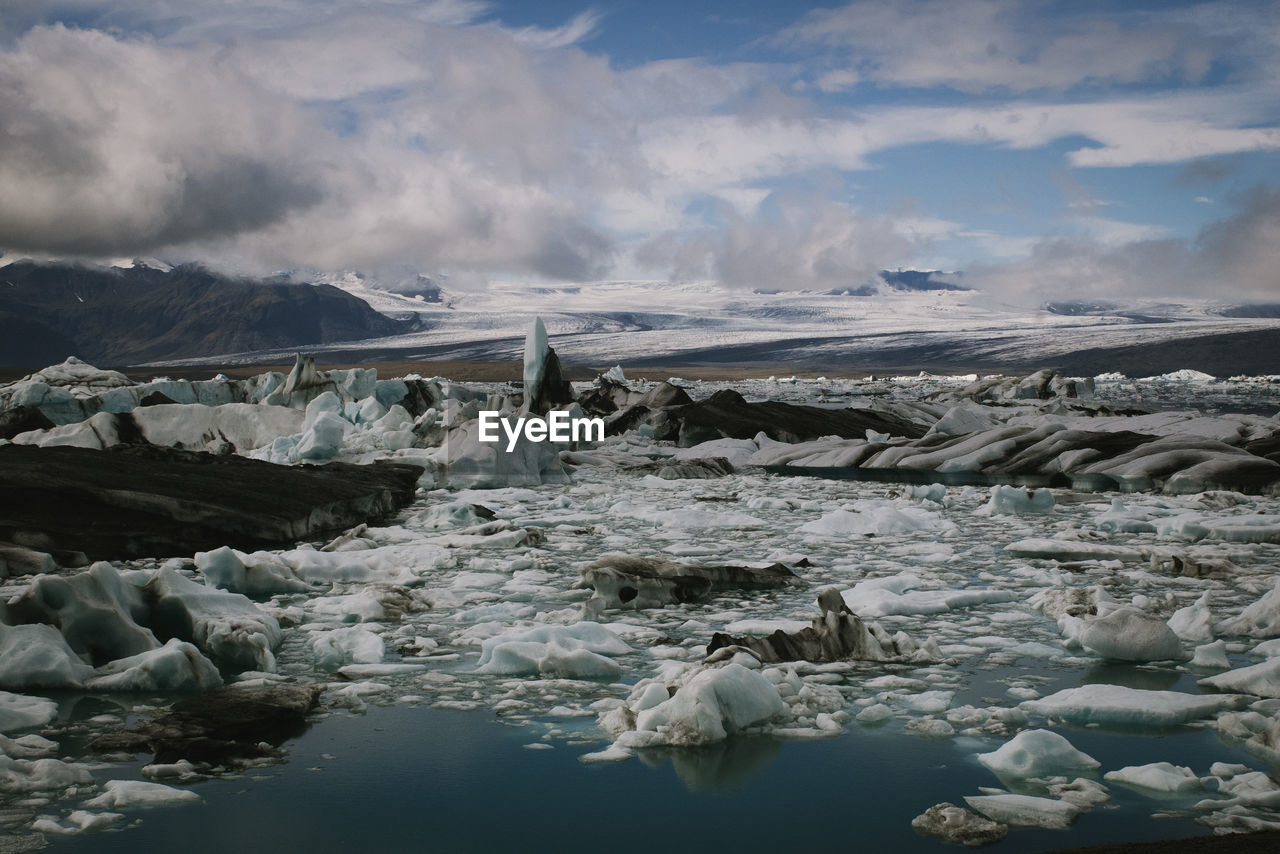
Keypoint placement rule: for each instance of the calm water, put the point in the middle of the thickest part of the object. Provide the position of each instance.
(419, 779)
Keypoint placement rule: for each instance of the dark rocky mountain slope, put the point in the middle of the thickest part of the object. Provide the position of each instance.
(118, 316)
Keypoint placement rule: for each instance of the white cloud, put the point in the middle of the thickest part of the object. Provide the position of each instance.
(837, 80)
(977, 45)
(1113, 232)
(579, 28)
(1233, 258)
(794, 241)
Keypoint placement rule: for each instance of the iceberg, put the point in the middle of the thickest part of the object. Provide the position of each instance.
(1117, 705)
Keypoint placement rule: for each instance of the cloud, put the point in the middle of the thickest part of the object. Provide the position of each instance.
(1209, 170)
(1012, 45)
(579, 28)
(458, 149)
(708, 152)
(1242, 252)
(116, 146)
(793, 241)
(1234, 258)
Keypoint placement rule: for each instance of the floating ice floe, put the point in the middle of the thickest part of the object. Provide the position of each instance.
(1125, 634)
(41, 775)
(1037, 753)
(349, 645)
(895, 595)
(1161, 777)
(176, 666)
(75, 822)
(1025, 810)
(870, 518)
(1117, 705)
(227, 627)
(1071, 550)
(1019, 501)
(123, 794)
(1193, 622)
(1262, 680)
(576, 651)
(20, 711)
(694, 704)
(1261, 619)
(261, 574)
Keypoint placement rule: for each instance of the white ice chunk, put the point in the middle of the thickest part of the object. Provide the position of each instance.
(1194, 622)
(323, 438)
(1262, 680)
(1071, 550)
(78, 821)
(1118, 705)
(18, 711)
(1025, 810)
(259, 574)
(1259, 620)
(41, 775)
(176, 666)
(535, 359)
(1017, 500)
(1161, 777)
(37, 656)
(226, 626)
(1129, 635)
(348, 645)
(892, 595)
(576, 650)
(139, 793)
(472, 463)
(1211, 656)
(713, 704)
(871, 519)
(1038, 753)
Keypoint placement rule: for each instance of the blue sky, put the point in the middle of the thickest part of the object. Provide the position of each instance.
(1045, 149)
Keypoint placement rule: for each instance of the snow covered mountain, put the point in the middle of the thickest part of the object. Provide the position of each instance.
(900, 327)
(908, 321)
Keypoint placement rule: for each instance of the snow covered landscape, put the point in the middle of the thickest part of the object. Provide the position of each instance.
(1028, 575)
(701, 322)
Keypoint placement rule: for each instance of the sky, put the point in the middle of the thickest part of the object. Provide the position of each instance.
(1042, 150)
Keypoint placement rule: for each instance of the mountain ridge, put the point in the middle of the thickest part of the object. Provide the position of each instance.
(115, 315)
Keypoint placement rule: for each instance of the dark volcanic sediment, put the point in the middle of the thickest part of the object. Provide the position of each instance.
(134, 501)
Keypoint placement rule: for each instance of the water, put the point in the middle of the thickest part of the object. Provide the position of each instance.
(408, 778)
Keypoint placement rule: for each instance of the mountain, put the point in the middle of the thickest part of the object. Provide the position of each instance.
(118, 316)
(902, 281)
(919, 280)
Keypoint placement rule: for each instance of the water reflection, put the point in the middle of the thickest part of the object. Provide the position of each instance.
(725, 765)
(1131, 676)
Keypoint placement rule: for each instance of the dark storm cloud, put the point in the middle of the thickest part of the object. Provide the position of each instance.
(115, 146)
